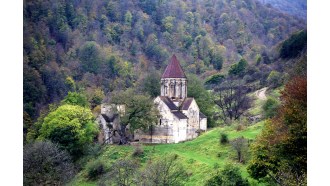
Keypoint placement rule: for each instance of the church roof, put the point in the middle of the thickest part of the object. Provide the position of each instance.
(186, 103)
(201, 115)
(174, 69)
(179, 115)
(169, 102)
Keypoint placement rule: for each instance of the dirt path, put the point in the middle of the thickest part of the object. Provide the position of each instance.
(261, 94)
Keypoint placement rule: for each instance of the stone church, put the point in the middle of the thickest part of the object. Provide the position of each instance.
(180, 117)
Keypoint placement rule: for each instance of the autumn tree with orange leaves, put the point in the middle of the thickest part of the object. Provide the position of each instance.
(280, 152)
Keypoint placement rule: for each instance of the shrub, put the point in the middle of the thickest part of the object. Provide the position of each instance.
(270, 107)
(138, 150)
(45, 164)
(239, 127)
(240, 145)
(70, 126)
(95, 169)
(224, 138)
(230, 175)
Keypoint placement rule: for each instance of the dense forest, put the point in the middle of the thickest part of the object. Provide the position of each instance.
(107, 45)
(78, 54)
(293, 7)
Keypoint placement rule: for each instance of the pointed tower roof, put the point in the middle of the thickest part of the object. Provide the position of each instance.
(174, 69)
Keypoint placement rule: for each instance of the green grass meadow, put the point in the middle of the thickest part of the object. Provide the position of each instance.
(201, 157)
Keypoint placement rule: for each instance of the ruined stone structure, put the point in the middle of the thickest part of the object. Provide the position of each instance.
(180, 119)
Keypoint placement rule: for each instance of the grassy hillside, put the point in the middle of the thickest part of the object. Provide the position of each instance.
(200, 157)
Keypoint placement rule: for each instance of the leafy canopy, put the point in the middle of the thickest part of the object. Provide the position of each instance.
(71, 126)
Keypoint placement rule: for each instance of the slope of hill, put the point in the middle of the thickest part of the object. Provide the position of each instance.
(200, 157)
(108, 45)
(293, 7)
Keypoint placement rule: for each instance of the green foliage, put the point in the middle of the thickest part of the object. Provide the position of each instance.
(69, 81)
(198, 156)
(34, 90)
(90, 57)
(224, 138)
(282, 146)
(75, 98)
(95, 169)
(167, 23)
(69, 39)
(44, 162)
(128, 18)
(293, 46)
(240, 145)
(270, 107)
(71, 126)
(274, 79)
(216, 58)
(214, 79)
(151, 84)
(238, 68)
(230, 175)
(122, 172)
(202, 97)
(140, 111)
(164, 171)
(95, 95)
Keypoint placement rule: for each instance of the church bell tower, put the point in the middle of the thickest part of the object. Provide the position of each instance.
(174, 81)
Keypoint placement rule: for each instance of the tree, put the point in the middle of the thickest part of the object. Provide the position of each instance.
(128, 18)
(293, 46)
(34, 91)
(216, 58)
(232, 99)
(238, 68)
(280, 152)
(270, 107)
(71, 126)
(75, 98)
(229, 176)
(151, 84)
(164, 171)
(202, 96)
(139, 113)
(240, 146)
(122, 172)
(274, 79)
(90, 57)
(45, 164)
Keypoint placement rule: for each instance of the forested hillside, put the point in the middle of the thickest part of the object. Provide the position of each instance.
(246, 68)
(100, 46)
(293, 7)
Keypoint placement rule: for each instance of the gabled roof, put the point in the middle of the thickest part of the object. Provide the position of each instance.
(169, 103)
(201, 115)
(179, 115)
(174, 69)
(186, 103)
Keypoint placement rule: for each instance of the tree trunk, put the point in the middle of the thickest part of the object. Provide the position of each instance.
(122, 134)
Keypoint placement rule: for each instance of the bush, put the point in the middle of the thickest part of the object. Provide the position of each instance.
(95, 169)
(70, 126)
(230, 175)
(138, 150)
(224, 138)
(270, 107)
(239, 127)
(45, 164)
